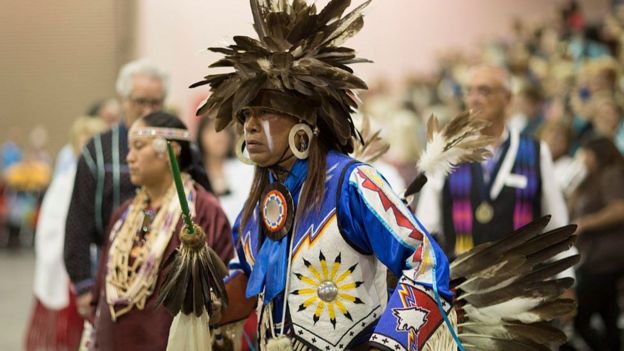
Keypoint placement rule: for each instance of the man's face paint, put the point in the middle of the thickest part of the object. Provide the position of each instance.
(266, 126)
(266, 136)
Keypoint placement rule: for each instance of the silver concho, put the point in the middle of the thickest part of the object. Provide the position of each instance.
(327, 291)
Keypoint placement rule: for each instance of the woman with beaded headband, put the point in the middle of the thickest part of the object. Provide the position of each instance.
(143, 232)
(318, 227)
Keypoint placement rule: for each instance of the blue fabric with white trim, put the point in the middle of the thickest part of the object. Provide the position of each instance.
(361, 225)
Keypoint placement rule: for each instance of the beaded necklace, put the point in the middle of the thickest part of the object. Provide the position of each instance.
(139, 239)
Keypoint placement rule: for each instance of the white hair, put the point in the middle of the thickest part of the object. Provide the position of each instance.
(139, 68)
(505, 78)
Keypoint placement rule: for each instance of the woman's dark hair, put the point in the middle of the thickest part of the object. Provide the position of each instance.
(605, 151)
(189, 159)
(204, 123)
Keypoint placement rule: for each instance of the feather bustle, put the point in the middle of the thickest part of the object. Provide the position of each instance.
(507, 291)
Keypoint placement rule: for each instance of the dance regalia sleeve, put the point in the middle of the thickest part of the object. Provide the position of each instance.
(375, 221)
(238, 264)
(240, 306)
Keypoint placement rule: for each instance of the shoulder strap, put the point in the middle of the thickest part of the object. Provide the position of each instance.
(341, 179)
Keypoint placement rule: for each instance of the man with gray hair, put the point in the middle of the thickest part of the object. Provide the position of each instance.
(102, 180)
(481, 203)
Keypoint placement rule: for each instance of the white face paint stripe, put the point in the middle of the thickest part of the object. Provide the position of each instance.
(267, 132)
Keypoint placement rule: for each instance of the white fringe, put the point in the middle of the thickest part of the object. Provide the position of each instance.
(437, 163)
(281, 343)
(190, 333)
(88, 337)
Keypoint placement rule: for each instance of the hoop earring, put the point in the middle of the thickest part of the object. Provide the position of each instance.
(240, 151)
(301, 149)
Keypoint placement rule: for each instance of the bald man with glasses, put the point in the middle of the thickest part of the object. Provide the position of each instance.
(481, 203)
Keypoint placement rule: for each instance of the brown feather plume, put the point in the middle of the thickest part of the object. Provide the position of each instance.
(194, 276)
(373, 146)
(299, 52)
(457, 142)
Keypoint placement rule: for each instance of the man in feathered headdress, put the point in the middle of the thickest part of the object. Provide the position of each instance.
(318, 226)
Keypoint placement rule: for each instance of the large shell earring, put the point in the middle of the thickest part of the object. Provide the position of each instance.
(240, 152)
(300, 139)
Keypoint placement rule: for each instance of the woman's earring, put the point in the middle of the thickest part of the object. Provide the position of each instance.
(299, 140)
(160, 146)
(240, 151)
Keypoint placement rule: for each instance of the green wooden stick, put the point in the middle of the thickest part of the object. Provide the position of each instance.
(177, 179)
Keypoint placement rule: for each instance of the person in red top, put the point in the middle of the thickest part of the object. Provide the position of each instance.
(143, 232)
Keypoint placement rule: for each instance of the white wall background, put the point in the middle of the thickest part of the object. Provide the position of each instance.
(399, 35)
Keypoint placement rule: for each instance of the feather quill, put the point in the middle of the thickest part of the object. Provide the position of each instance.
(459, 141)
(373, 146)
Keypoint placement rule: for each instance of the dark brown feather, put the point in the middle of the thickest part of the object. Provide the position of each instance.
(191, 278)
(303, 26)
(547, 270)
(258, 17)
(551, 251)
(333, 10)
(487, 343)
(506, 269)
(338, 27)
(547, 239)
(540, 333)
(247, 92)
(250, 44)
(349, 32)
(485, 255)
(548, 290)
(555, 309)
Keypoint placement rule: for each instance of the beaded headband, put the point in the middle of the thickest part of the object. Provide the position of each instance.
(166, 133)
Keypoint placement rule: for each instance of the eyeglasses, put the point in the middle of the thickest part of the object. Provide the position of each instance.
(145, 102)
(481, 90)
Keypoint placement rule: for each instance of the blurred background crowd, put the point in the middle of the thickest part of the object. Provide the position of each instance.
(568, 87)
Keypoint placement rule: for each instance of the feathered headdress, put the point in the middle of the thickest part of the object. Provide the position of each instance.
(297, 67)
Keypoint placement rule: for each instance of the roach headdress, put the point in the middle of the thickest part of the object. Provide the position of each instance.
(297, 67)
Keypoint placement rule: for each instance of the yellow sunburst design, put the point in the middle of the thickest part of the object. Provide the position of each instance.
(329, 288)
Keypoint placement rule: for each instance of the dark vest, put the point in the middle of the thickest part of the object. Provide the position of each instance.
(464, 190)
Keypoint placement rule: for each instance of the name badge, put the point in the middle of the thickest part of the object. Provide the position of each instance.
(518, 181)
